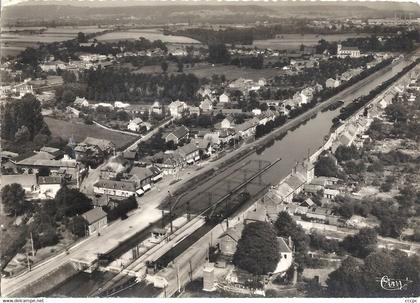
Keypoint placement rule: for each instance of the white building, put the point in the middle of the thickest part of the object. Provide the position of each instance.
(332, 83)
(135, 124)
(82, 102)
(286, 256)
(223, 98)
(115, 188)
(177, 109)
(119, 104)
(347, 51)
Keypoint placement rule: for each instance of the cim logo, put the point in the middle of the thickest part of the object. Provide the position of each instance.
(388, 283)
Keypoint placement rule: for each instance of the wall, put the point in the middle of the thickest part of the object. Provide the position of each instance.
(53, 279)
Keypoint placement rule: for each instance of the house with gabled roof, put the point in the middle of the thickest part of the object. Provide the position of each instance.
(96, 219)
(206, 105)
(115, 188)
(229, 240)
(177, 109)
(224, 98)
(228, 122)
(189, 153)
(179, 134)
(286, 255)
(142, 177)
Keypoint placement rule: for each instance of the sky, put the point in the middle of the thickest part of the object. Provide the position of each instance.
(99, 3)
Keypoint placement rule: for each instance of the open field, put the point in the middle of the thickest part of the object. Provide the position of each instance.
(12, 43)
(293, 41)
(150, 34)
(231, 72)
(80, 131)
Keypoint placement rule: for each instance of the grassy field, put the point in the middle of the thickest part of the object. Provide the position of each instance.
(293, 41)
(14, 43)
(206, 71)
(80, 131)
(232, 72)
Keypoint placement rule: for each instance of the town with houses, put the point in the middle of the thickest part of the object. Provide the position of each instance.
(142, 168)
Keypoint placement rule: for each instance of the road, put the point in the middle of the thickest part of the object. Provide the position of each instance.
(94, 174)
(148, 212)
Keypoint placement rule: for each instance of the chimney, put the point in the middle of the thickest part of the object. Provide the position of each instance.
(290, 242)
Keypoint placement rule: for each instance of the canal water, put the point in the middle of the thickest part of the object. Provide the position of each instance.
(291, 147)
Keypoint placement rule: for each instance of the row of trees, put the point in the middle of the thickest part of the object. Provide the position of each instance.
(208, 36)
(121, 84)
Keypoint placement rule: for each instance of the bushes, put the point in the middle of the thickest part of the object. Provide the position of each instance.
(361, 244)
(70, 202)
(121, 210)
(359, 279)
(320, 242)
(326, 166)
(346, 153)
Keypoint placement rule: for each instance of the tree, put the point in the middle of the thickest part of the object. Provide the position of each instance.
(326, 166)
(357, 279)
(68, 97)
(361, 244)
(43, 171)
(345, 153)
(68, 77)
(397, 112)
(164, 65)
(347, 280)
(218, 53)
(22, 135)
(13, 198)
(81, 37)
(70, 202)
(25, 112)
(258, 250)
(286, 227)
(123, 207)
(77, 225)
(180, 67)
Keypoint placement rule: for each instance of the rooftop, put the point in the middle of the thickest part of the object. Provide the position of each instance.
(187, 149)
(283, 247)
(94, 215)
(120, 185)
(101, 143)
(141, 173)
(180, 132)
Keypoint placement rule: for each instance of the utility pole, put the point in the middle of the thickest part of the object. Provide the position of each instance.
(170, 210)
(28, 262)
(226, 204)
(177, 279)
(32, 245)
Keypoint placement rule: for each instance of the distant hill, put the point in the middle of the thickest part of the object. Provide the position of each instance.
(178, 12)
